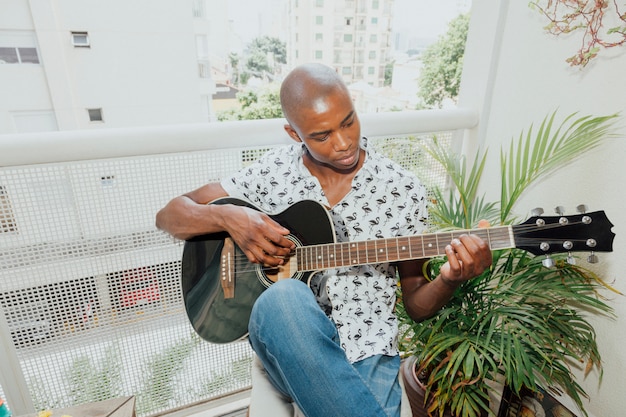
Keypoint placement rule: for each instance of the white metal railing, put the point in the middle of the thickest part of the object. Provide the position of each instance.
(83, 256)
(38, 148)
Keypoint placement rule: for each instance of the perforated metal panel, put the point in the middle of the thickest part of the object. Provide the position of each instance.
(90, 289)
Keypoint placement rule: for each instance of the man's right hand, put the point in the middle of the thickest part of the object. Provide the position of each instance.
(261, 239)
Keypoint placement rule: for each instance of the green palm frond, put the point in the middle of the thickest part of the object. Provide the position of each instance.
(536, 155)
(518, 322)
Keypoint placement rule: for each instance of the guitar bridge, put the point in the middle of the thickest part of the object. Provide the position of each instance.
(227, 268)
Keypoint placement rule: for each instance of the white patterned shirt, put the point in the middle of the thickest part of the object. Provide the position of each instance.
(385, 201)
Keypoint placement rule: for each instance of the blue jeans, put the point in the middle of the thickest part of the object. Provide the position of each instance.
(299, 348)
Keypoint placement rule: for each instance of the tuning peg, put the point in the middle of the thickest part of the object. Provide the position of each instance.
(559, 210)
(592, 258)
(582, 208)
(548, 262)
(537, 211)
(570, 259)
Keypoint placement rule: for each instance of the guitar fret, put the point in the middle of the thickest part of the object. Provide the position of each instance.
(334, 255)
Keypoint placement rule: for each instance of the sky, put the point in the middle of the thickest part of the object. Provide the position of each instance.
(426, 18)
(417, 18)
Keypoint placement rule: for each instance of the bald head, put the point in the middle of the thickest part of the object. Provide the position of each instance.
(307, 86)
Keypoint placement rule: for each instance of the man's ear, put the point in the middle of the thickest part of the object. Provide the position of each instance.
(292, 133)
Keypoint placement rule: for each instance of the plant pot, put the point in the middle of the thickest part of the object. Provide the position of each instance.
(414, 388)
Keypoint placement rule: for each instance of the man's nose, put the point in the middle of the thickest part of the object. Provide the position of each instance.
(341, 142)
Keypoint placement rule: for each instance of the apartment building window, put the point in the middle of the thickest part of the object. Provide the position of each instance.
(373, 38)
(348, 21)
(372, 55)
(7, 217)
(371, 70)
(319, 3)
(17, 55)
(95, 115)
(374, 20)
(80, 40)
(319, 54)
(375, 4)
(199, 9)
(319, 37)
(319, 20)
(347, 37)
(346, 70)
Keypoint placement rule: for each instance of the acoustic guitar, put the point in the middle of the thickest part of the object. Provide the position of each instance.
(220, 285)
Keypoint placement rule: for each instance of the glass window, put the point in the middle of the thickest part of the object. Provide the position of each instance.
(28, 55)
(318, 55)
(8, 56)
(347, 37)
(95, 115)
(80, 39)
(319, 20)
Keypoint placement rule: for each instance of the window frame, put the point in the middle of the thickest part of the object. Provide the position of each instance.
(76, 35)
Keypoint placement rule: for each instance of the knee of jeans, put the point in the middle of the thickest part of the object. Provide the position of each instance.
(282, 297)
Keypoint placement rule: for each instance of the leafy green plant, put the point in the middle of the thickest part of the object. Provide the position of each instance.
(233, 378)
(159, 375)
(89, 381)
(519, 323)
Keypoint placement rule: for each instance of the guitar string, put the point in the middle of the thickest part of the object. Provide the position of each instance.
(501, 232)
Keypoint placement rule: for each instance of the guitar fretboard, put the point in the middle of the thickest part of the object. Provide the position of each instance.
(335, 255)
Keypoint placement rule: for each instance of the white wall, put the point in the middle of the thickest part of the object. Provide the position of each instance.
(516, 74)
(141, 68)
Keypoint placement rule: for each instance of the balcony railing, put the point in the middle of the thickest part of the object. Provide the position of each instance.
(90, 304)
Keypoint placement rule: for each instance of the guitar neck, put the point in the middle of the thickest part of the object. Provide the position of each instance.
(336, 255)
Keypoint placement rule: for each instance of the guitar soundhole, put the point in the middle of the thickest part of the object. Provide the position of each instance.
(268, 275)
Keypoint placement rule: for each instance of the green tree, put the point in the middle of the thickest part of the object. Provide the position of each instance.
(234, 64)
(440, 77)
(388, 73)
(262, 104)
(260, 49)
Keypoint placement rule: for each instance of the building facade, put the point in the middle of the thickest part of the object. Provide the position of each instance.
(353, 36)
(70, 64)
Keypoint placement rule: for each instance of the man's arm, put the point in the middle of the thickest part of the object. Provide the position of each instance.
(189, 215)
(468, 256)
(257, 235)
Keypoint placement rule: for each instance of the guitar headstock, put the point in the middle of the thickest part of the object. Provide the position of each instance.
(544, 235)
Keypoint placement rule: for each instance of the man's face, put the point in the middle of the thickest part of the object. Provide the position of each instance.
(330, 130)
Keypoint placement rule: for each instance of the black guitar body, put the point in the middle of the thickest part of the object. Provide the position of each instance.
(221, 320)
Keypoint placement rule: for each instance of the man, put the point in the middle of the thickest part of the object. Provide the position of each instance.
(332, 348)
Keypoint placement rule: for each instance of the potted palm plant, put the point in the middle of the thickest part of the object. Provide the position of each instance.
(524, 322)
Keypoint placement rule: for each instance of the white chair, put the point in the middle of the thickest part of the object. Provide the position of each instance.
(266, 401)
